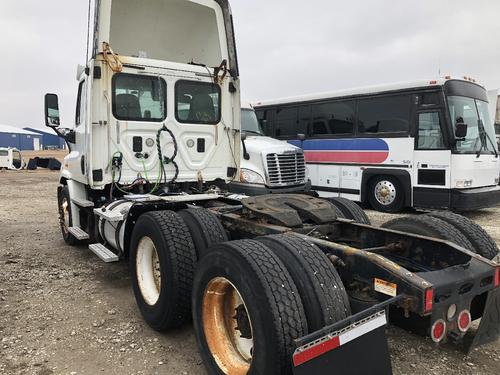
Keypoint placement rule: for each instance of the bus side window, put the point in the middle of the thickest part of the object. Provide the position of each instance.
(390, 114)
(335, 118)
(285, 122)
(264, 121)
(430, 135)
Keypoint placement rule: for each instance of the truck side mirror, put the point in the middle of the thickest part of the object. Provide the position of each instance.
(246, 155)
(52, 119)
(460, 130)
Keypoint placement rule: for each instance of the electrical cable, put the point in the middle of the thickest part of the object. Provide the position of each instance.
(164, 160)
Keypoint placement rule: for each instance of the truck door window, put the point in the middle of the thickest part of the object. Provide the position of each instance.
(197, 102)
(139, 98)
(78, 111)
(430, 136)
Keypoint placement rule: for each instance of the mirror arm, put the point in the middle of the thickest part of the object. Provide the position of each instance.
(246, 155)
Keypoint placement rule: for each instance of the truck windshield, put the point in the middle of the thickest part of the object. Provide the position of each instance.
(249, 122)
(480, 129)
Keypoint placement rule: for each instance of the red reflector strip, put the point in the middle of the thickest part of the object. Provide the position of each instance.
(429, 296)
(358, 329)
(316, 351)
(496, 280)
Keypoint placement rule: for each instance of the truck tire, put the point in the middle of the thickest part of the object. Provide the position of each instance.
(162, 264)
(320, 287)
(430, 227)
(386, 194)
(246, 310)
(65, 218)
(481, 241)
(350, 210)
(205, 228)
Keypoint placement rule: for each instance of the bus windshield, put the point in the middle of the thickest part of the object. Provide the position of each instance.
(249, 122)
(480, 129)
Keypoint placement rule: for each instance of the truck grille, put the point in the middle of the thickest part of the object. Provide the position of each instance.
(286, 169)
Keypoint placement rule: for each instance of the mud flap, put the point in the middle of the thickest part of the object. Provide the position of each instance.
(489, 328)
(357, 345)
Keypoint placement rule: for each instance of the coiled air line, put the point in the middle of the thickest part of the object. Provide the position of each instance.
(165, 160)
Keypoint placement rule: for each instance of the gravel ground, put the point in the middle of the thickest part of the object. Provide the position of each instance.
(63, 311)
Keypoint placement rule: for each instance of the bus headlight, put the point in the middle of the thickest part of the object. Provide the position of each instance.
(251, 177)
(463, 183)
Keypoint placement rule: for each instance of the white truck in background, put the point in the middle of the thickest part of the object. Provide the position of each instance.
(11, 159)
(267, 165)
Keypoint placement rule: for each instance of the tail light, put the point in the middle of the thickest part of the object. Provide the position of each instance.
(429, 296)
(464, 321)
(438, 330)
(496, 280)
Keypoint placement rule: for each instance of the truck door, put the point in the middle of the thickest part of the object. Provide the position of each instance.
(432, 161)
(77, 162)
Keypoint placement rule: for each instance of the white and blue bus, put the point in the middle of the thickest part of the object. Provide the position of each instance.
(426, 144)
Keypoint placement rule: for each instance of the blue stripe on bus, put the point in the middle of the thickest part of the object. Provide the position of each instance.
(356, 144)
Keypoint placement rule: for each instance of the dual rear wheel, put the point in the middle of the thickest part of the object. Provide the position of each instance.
(249, 299)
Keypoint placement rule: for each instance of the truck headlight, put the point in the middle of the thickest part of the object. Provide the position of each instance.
(251, 177)
(463, 183)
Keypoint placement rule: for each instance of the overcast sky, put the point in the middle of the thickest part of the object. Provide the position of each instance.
(285, 47)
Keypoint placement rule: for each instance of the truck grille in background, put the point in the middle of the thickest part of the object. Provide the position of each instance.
(286, 169)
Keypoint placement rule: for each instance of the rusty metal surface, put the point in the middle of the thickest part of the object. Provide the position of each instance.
(290, 210)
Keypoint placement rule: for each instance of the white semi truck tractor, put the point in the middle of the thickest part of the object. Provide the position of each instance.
(267, 165)
(274, 284)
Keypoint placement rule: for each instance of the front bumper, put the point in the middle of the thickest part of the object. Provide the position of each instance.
(472, 199)
(456, 199)
(255, 189)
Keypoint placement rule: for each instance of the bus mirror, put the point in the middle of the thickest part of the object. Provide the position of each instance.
(243, 136)
(301, 137)
(460, 130)
(52, 119)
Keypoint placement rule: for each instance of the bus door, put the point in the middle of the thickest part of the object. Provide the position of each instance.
(432, 162)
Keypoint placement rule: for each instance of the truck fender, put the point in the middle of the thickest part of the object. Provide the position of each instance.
(402, 175)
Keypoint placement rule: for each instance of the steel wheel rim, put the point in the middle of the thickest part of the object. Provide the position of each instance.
(385, 192)
(65, 215)
(148, 271)
(223, 311)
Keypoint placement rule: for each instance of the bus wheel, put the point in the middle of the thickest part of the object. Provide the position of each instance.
(386, 194)
(162, 264)
(246, 310)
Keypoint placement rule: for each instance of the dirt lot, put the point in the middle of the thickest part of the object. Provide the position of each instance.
(63, 311)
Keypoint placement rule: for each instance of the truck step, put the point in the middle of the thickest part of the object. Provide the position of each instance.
(103, 253)
(82, 202)
(78, 233)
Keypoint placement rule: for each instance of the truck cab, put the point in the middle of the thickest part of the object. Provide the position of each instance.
(153, 112)
(268, 166)
(11, 159)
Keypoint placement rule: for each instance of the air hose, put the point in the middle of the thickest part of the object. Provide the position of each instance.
(165, 160)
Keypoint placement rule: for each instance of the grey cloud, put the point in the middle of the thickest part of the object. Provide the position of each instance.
(286, 47)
